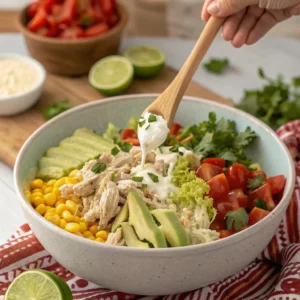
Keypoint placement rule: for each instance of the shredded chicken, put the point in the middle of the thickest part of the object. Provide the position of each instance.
(66, 190)
(160, 165)
(121, 159)
(86, 201)
(116, 238)
(137, 155)
(124, 186)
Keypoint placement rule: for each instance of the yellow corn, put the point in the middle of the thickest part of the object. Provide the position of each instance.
(71, 180)
(91, 237)
(51, 182)
(37, 201)
(79, 234)
(36, 184)
(56, 191)
(102, 234)
(38, 194)
(41, 209)
(48, 190)
(76, 219)
(87, 234)
(50, 199)
(29, 198)
(72, 227)
(93, 229)
(37, 191)
(83, 227)
(55, 219)
(71, 206)
(62, 223)
(59, 202)
(60, 182)
(60, 208)
(27, 193)
(73, 173)
(76, 199)
(99, 240)
(67, 216)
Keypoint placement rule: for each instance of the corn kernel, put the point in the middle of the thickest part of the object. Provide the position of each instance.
(76, 199)
(48, 190)
(67, 216)
(60, 182)
(71, 180)
(51, 209)
(55, 219)
(36, 184)
(99, 240)
(71, 206)
(87, 234)
(62, 223)
(76, 219)
(83, 227)
(102, 234)
(73, 173)
(72, 227)
(56, 191)
(38, 194)
(27, 193)
(37, 191)
(91, 238)
(50, 199)
(79, 234)
(37, 201)
(93, 229)
(59, 202)
(82, 219)
(80, 178)
(60, 208)
(41, 209)
(29, 198)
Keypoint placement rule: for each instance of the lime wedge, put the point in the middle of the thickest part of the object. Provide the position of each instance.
(111, 75)
(38, 285)
(147, 61)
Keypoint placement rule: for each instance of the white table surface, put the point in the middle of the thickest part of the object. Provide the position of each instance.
(274, 55)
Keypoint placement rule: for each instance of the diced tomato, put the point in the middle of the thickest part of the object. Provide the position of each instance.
(219, 188)
(237, 176)
(32, 9)
(97, 11)
(133, 141)
(56, 9)
(48, 5)
(263, 192)
(112, 20)
(42, 31)
(96, 30)
(68, 11)
(277, 183)
(175, 128)
(72, 33)
(208, 171)
(224, 207)
(239, 195)
(253, 174)
(256, 215)
(107, 6)
(187, 139)
(39, 20)
(217, 225)
(215, 161)
(278, 197)
(225, 233)
(128, 133)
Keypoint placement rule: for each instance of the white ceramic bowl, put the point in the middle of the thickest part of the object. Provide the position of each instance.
(153, 271)
(14, 104)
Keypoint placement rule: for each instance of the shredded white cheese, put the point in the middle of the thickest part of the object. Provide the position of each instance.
(16, 76)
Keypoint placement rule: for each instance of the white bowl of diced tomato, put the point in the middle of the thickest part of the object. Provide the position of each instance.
(69, 36)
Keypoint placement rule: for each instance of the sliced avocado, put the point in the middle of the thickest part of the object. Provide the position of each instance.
(77, 147)
(66, 165)
(171, 227)
(142, 221)
(51, 173)
(256, 167)
(70, 153)
(121, 217)
(90, 135)
(130, 237)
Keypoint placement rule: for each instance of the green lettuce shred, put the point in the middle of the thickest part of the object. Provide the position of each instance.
(182, 172)
(113, 133)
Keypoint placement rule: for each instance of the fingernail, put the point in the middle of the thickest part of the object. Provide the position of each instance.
(214, 8)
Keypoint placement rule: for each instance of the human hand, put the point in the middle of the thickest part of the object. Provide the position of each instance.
(249, 20)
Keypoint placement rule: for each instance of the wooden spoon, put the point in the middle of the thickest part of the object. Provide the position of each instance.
(167, 103)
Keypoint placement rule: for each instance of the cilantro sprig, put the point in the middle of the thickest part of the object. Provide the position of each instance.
(237, 219)
(56, 109)
(257, 181)
(216, 65)
(260, 203)
(98, 168)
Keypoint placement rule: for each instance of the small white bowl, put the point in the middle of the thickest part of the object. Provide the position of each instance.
(17, 103)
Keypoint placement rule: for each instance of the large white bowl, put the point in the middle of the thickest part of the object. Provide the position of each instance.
(153, 271)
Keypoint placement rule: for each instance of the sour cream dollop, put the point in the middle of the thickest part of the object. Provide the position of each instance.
(152, 132)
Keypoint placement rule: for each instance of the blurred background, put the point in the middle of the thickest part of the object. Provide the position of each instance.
(174, 18)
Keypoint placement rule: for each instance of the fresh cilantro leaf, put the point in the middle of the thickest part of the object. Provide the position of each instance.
(125, 147)
(228, 155)
(137, 178)
(144, 186)
(98, 168)
(296, 81)
(113, 175)
(205, 146)
(225, 125)
(153, 177)
(260, 203)
(216, 65)
(56, 108)
(223, 139)
(114, 151)
(174, 148)
(237, 219)
(256, 182)
(166, 170)
(243, 139)
(152, 118)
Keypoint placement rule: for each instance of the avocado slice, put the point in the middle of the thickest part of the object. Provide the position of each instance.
(51, 173)
(171, 227)
(130, 237)
(57, 152)
(90, 135)
(142, 221)
(121, 217)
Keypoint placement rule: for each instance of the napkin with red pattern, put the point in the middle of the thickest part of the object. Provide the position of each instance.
(274, 275)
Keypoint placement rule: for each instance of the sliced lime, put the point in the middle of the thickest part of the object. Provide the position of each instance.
(111, 75)
(147, 61)
(38, 285)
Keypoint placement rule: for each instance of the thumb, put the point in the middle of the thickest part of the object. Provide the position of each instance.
(224, 8)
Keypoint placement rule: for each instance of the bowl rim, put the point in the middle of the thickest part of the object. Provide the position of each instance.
(32, 62)
(124, 16)
(233, 239)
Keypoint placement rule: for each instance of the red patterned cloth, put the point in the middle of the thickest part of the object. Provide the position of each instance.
(274, 275)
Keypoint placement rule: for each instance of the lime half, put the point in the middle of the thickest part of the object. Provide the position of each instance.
(147, 61)
(111, 75)
(38, 285)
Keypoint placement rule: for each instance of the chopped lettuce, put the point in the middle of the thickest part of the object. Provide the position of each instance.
(113, 133)
(182, 172)
(133, 123)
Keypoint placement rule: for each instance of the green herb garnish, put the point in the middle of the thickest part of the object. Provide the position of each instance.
(142, 123)
(153, 177)
(137, 178)
(174, 148)
(98, 168)
(113, 175)
(237, 219)
(115, 151)
(147, 127)
(56, 108)
(152, 118)
(260, 203)
(165, 172)
(216, 65)
(256, 182)
(144, 186)
(125, 147)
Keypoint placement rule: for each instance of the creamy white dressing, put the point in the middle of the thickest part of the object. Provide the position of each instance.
(151, 133)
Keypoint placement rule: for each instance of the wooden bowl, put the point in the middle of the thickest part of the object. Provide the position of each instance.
(72, 57)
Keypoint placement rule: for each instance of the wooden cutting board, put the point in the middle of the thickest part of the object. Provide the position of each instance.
(15, 130)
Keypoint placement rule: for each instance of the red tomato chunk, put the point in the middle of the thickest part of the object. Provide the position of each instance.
(237, 176)
(208, 171)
